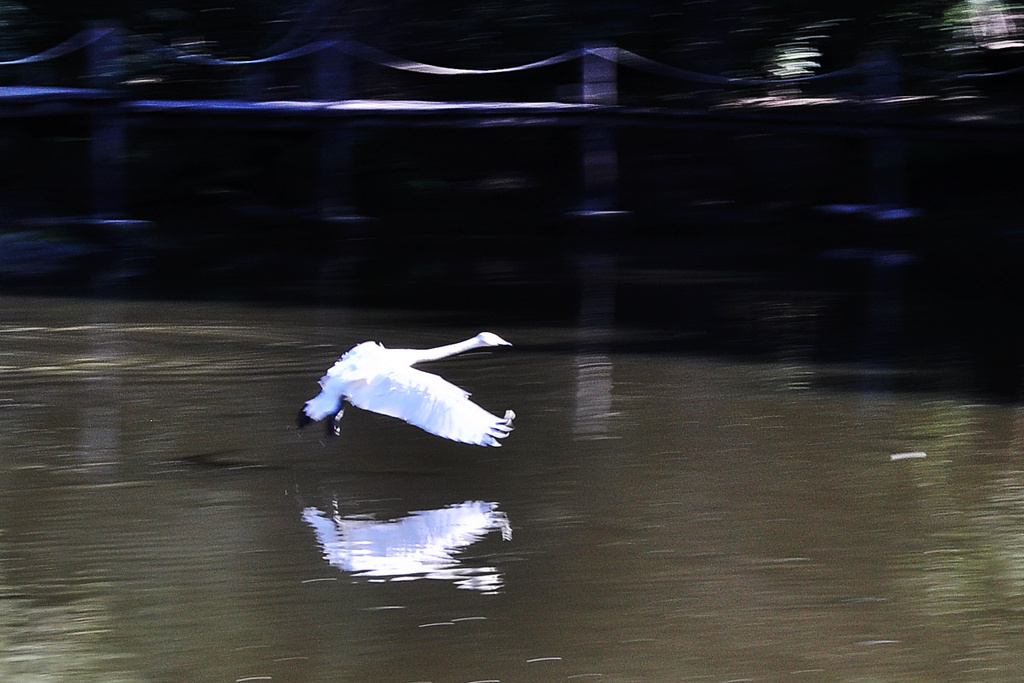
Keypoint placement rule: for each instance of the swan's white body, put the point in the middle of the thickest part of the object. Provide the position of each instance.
(383, 381)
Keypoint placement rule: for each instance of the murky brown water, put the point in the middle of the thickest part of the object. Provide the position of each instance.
(652, 518)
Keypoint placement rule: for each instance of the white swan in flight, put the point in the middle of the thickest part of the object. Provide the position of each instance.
(383, 381)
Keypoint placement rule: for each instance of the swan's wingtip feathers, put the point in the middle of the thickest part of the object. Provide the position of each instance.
(498, 430)
(492, 440)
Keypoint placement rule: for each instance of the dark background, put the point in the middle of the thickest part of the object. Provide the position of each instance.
(730, 216)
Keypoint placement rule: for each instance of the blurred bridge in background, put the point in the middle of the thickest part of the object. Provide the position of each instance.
(867, 101)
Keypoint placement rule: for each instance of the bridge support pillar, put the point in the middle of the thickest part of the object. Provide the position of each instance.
(888, 150)
(600, 162)
(108, 127)
(336, 177)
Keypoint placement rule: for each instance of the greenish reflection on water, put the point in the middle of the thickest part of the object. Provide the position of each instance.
(672, 517)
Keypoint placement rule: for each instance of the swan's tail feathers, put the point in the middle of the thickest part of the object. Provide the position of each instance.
(320, 406)
(332, 427)
(500, 429)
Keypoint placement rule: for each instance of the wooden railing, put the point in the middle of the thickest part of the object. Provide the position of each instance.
(867, 106)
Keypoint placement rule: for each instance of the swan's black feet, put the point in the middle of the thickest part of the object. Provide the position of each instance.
(334, 425)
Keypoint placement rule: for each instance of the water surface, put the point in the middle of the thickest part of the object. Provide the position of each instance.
(654, 517)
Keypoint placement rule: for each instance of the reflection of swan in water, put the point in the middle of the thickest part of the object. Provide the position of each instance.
(383, 381)
(421, 545)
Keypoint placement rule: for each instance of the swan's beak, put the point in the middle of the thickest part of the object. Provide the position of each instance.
(491, 339)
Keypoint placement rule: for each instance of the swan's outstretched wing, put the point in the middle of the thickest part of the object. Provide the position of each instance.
(432, 404)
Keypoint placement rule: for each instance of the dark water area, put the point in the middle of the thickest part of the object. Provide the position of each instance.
(738, 244)
(897, 250)
(654, 516)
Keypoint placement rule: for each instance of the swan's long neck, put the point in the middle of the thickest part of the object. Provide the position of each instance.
(439, 352)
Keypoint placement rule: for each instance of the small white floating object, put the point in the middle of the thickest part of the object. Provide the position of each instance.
(908, 456)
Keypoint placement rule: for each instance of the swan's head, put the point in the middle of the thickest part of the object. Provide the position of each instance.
(490, 339)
